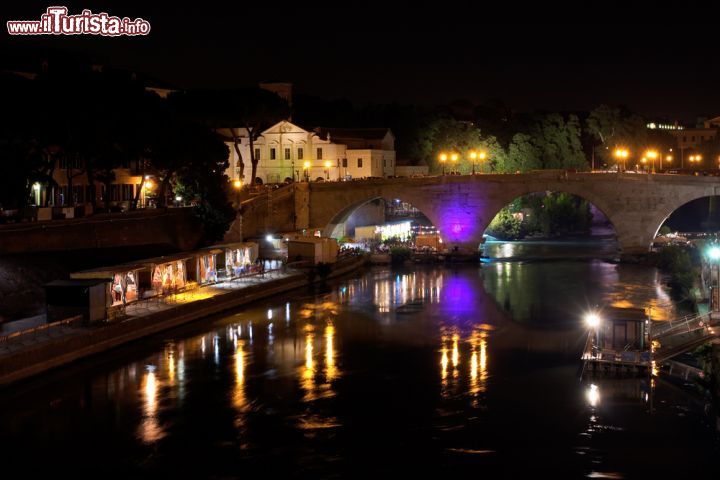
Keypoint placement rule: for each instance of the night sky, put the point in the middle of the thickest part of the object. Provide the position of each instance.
(660, 64)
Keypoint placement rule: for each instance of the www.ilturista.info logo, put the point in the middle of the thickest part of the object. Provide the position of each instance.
(56, 21)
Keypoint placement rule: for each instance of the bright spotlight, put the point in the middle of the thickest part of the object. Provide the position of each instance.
(592, 320)
(714, 253)
(269, 238)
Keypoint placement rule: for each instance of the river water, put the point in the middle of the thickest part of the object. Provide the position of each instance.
(425, 370)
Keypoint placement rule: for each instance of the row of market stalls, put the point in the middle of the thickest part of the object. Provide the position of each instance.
(98, 291)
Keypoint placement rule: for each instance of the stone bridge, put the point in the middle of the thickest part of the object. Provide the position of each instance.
(462, 206)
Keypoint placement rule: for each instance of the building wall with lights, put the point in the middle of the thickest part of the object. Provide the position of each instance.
(123, 188)
(287, 152)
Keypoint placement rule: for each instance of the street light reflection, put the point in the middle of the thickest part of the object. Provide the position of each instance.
(593, 395)
(331, 371)
(239, 397)
(150, 430)
(308, 372)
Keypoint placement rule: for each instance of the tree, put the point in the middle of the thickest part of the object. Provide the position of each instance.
(558, 142)
(522, 155)
(245, 113)
(613, 127)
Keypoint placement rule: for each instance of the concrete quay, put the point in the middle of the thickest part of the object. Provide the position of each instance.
(27, 356)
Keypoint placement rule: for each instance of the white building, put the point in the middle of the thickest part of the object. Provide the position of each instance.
(286, 152)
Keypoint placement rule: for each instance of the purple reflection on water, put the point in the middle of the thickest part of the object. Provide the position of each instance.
(460, 300)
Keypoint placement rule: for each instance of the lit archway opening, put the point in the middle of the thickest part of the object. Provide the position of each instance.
(546, 224)
(699, 218)
(382, 220)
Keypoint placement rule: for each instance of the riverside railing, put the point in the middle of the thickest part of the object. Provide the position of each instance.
(46, 328)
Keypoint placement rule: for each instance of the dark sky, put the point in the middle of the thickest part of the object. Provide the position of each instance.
(543, 57)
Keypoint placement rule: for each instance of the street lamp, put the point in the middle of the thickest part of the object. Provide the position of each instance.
(652, 154)
(237, 184)
(327, 170)
(443, 158)
(306, 169)
(454, 159)
(668, 159)
(147, 185)
(593, 321)
(695, 159)
(644, 162)
(621, 154)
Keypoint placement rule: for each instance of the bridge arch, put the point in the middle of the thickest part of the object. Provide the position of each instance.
(575, 193)
(665, 216)
(582, 197)
(335, 227)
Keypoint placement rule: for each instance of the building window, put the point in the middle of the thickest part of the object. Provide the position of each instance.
(384, 162)
(272, 154)
(319, 153)
(692, 138)
(127, 191)
(359, 162)
(257, 154)
(344, 163)
(69, 163)
(287, 154)
(78, 194)
(300, 153)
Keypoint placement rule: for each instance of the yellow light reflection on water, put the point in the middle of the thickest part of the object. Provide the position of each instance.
(331, 371)
(239, 398)
(171, 366)
(455, 351)
(478, 363)
(308, 374)
(444, 363)
(150, 430)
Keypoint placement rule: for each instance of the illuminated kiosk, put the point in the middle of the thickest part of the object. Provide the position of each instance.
(238, 259)
(122, 283)
(617, 341)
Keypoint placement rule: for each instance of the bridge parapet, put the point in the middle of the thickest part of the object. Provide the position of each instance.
(462, 206)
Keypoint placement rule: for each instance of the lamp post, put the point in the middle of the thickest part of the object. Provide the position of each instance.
(621, 155)
(593, 321)
(694, 159)
(327, 170)
(668, 159)
(652, 154)
(454, 159)
(147, 185)
(306, 169)
(644, 162)
(237, 184)
(474, 156)
(443, 158)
